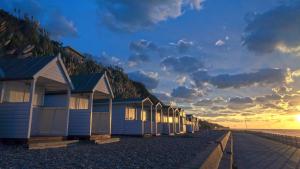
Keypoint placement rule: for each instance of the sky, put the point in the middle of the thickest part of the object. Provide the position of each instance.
(234, 62)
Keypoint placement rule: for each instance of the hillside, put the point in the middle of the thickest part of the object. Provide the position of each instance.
(14, 41)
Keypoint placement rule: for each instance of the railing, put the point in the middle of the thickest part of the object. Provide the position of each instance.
(289, 140)
(49, 121)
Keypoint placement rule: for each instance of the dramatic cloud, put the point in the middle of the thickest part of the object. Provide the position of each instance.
(184, 64)
(58, 26)
(149, 79)
(133, 15)
(275, 30)
(186, 93)
(261, 77)
(182, 45)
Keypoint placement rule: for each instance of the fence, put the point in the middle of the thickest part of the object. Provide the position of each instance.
(289, 140)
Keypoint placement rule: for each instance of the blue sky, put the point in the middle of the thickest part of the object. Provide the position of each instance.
(223, 60)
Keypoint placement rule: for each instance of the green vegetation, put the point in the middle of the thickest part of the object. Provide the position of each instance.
(23, 37)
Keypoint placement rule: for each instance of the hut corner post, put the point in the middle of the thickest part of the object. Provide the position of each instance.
(31, 99)
(91, 98)
(110, 114)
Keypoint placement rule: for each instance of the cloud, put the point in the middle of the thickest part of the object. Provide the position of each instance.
(181, 80)
(186, 93)
(133, 15)
(262, 77)
(220, 43)
(109, 60)
(240, 100)
(142, 45)
(137, 59)
(59, 26)
(267, 98)
(182, 45)
(149, 79)
(163, 96)
(204, 102)
(184, 64)
(275, 30)
(141, 52)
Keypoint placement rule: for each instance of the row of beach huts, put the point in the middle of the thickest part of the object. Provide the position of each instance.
(39, 99)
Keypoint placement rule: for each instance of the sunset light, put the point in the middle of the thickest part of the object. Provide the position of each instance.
(298, 118)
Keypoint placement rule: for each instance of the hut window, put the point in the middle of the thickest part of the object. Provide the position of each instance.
(16, 92)
(79, 103)
(130, 113)
(158, 117)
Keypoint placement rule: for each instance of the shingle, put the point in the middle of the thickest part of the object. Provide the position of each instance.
(85, 82)
(25, 68)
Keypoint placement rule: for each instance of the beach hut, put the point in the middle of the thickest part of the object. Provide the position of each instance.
(85, 121)
(182, 121)
(168, 120)
(190, 123)
(158, 117)
(177, 120)
(130, 116)
(25, 109)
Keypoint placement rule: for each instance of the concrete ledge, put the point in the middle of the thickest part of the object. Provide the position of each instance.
(213, 160)
(211, 156)
(227, 159)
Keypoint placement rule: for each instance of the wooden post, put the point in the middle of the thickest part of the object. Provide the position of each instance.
(68, 111)
(31, 99)
(110, 115)
(90, 108)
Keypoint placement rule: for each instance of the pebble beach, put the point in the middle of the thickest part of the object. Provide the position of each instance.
(163, 152)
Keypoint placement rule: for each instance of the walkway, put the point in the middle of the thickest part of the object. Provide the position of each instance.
(254, 152)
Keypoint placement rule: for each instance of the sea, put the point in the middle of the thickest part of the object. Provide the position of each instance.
(288, 132)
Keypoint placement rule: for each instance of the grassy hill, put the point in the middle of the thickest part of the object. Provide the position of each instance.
(23, 37)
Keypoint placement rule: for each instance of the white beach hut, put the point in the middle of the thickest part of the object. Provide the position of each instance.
(85, 121)
(158, 117)
(130, 116)
(25, 110)
(168, 120)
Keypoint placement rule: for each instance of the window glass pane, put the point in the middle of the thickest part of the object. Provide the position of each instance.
(83, 103)
(72, 103)
(16, 92)
(158, 117)
(130, 114)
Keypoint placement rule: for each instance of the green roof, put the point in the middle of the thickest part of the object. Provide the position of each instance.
(85, 82)
(22, 68)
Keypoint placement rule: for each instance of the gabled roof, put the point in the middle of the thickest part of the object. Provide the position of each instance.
(85, 82)
(22, 69)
